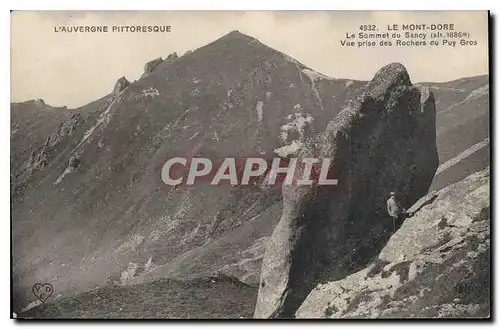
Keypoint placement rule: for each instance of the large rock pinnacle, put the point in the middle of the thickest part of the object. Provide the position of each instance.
(384, 140)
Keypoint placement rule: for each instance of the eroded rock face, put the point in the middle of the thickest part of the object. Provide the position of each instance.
(382, 141)
(436, 265)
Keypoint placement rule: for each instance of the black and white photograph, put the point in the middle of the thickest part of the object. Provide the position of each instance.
(250, 165)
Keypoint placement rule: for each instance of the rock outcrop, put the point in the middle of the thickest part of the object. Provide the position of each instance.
(40, 102)
(172, 57)
(67, 127)
(42, 154)
(383, 140)
(436, 265)
(150, 66)
(120, 85)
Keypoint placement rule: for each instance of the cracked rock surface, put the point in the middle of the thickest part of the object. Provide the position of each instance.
(436, 265)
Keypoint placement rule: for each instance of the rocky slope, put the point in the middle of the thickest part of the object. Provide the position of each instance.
(436, 265)
(462, 128)
(88, 205)
(470, 154)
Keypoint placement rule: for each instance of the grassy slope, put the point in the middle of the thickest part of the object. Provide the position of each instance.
(216, 297)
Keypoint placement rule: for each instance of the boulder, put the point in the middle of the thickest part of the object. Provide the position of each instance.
(436, 265)
(383, 140)
(120, 85)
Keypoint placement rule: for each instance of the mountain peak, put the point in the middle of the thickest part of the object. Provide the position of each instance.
(237, 35)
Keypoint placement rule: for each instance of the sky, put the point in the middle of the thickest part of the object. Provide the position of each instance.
(73, 69)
